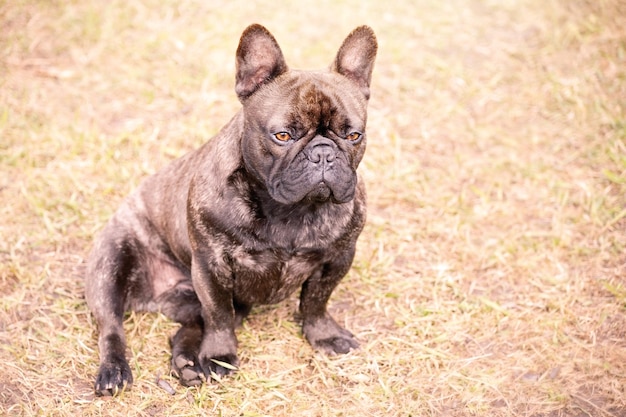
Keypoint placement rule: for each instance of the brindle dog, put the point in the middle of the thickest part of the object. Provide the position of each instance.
(271, 204)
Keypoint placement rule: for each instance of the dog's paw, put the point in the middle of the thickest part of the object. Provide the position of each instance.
(186, 367)
(336, 345)
(220, 366)
(113, 378)
(326, 335)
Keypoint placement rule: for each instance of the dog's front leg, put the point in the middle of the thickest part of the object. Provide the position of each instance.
(218, 350)
(318, 326)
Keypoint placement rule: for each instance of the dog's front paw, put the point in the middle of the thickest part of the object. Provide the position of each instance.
(114, 376)
(336, 345)
(186, 367)
(218, 353)
(219, 366)
(327, 336)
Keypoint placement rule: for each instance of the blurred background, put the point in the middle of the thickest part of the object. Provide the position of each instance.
(490, 279)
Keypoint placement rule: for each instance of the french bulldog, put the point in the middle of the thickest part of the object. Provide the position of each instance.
(271, 204)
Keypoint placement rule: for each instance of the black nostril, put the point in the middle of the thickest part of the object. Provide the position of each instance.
(321, 153)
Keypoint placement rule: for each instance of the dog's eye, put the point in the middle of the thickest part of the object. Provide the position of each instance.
(282, 136)
(354, 136)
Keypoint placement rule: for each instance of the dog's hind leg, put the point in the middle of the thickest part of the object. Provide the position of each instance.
(109, 275)
(181, 304)
(185, 347)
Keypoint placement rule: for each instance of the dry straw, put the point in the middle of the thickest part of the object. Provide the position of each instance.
(490, 279)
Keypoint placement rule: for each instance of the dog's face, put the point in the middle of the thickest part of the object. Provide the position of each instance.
(304, 132)
(305, 137)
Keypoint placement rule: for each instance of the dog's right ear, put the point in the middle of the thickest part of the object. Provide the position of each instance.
(259, 60)
(356, 56)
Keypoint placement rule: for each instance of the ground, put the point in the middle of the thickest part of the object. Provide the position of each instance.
(490, 279)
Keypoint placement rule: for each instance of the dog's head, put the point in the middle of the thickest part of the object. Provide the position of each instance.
(304, 132)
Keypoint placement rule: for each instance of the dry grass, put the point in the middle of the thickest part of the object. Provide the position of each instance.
(490, 280)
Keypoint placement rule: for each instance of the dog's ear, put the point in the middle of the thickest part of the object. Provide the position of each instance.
(355, 58)
(259, 60)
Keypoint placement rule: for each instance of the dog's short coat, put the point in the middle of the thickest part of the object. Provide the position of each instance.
(271, 204)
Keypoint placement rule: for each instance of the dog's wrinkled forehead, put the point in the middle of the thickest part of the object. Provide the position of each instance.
(317, 104)
(315, 109)
(302, 102)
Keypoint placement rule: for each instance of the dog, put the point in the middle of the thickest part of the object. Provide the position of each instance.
(271, 204)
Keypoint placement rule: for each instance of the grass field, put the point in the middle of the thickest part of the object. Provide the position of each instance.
(489, 281)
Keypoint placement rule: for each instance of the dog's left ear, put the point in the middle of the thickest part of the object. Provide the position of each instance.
(356, 56)
(259, 60)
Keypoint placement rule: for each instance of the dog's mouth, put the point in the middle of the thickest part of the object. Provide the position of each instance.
(320, 193)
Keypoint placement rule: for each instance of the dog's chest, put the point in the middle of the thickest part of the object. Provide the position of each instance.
(269, 276)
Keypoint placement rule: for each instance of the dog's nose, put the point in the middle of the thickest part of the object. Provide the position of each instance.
(322, 153)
